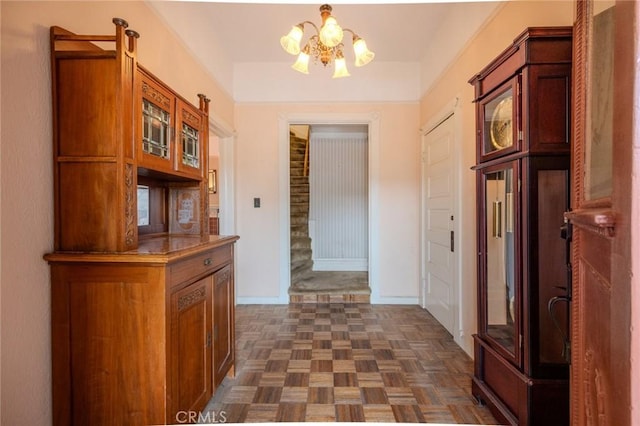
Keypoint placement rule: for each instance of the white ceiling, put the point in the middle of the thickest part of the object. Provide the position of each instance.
(251, 32)
(242, 33)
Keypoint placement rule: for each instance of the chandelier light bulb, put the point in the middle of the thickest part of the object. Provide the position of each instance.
(363, 54)
(331, 33)
(340, 68)
(302, 63)
(291, 42)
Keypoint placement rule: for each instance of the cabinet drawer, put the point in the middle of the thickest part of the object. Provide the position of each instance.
(187, 269)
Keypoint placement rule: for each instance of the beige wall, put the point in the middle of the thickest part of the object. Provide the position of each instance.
(497, 34)
(259, 164)
(27, 222)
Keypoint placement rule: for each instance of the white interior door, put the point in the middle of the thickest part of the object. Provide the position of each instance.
(438, 290)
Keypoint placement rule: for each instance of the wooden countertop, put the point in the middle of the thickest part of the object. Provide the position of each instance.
(163, 249)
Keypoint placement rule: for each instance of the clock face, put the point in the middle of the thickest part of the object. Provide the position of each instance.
(501, 126)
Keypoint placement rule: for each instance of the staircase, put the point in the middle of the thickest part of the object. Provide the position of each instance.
(308, 286)
(301, 259)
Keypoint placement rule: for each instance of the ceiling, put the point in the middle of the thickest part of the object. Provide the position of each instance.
(251, 32)
(247, 34)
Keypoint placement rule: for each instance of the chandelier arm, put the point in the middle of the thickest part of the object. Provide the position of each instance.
(313, 25)
(351, 31)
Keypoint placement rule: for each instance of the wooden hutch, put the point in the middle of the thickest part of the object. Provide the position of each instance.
(142, 296)
(523, 116)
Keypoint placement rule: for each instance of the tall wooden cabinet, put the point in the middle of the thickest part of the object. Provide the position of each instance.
(142, 296)
(523, 116)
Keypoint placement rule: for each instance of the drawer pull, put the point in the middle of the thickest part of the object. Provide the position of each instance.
(208, 261)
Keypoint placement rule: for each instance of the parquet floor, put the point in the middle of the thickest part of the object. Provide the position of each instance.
(346, 363)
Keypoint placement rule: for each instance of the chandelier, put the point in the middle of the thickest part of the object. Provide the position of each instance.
(325, 45)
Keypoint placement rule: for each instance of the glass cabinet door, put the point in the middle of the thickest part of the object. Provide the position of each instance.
(156, 125)
(501, 283)
(156, 121)
(500, 124)
(190, 146)
(190, 149)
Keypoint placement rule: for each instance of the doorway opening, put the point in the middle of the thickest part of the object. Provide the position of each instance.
(214, 192)
(328, 208)
(220, 173)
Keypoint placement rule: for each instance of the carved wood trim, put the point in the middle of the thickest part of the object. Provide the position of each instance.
(191, 119)
(595, 392)
(130, 213)
(155, 95)
(223, 275)
(191, 298)
(580, 35)
(580, 52)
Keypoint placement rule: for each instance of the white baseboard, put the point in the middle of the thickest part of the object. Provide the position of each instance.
(394, 300)
(340, 265)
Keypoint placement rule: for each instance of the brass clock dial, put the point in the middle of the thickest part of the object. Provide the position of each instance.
(501, 126)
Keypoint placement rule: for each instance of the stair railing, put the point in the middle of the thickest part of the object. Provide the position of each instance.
(305, 170)
(305, 167)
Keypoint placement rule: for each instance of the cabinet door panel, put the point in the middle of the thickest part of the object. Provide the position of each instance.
(95, 137)
(500, 283)
(155, 121)
(105, 372)
(189, 140)
(223, 347)
(190, 349)
(551, 340)
(549, 108)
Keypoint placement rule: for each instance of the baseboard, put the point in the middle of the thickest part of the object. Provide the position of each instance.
(360, 265)
(279, 301)
(394, 300)
(330, 298)
(259, 301)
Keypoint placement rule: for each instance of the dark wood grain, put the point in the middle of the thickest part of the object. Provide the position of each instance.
(521, 372)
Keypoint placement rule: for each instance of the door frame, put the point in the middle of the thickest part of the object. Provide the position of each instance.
(226, 181)
(372, 121)
(451, 111)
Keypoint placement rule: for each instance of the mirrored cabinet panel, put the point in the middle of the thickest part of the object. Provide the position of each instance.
(500, 302)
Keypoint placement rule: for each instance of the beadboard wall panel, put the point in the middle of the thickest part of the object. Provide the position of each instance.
(338, 180)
